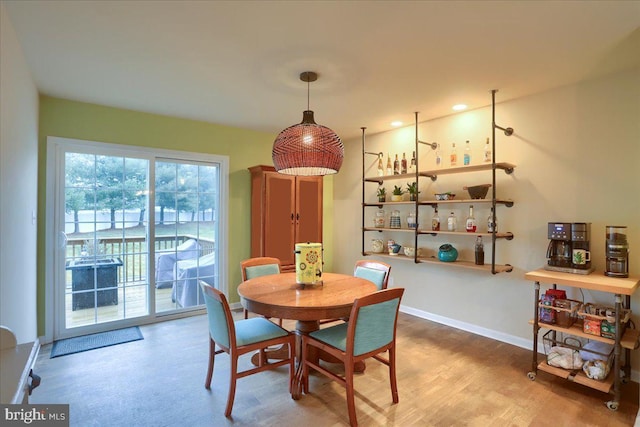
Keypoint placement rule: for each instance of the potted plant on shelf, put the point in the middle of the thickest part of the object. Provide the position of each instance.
(396, 196)
(412, 189)
(382, 194)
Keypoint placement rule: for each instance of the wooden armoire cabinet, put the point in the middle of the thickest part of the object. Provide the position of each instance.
(285, 210)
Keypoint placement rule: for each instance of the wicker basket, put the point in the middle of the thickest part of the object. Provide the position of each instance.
(566, 311)
(601, 320)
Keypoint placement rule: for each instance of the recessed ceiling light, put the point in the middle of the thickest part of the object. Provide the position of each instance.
(459, 107)
(396, 123)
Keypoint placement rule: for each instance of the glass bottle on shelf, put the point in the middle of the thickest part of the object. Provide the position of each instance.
(411, 220)
(471, 225)
(389, 167)
(412, 166)
(435, 221)
(479, 251)
(452, 222)
(396, 166)
(438, 157)
(380, 165)
(492, 224)
(454, 155)
(487, 152)
(403, 164)
(467, 153)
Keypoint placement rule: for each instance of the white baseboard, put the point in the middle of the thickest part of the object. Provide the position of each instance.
(489, 333)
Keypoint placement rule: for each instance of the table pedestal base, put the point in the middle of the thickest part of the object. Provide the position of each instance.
(302, 327)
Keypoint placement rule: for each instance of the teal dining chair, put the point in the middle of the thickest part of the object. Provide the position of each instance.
(374, 271)
(241, 337)
(256, 267)
(370, 331)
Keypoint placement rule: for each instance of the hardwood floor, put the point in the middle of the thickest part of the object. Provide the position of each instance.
(446, 377)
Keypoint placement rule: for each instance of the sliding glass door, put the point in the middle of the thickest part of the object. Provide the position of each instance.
(135, 232)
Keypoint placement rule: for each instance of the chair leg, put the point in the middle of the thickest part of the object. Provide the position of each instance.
(392, 374)
(292, 366)
(212, 356)
(305, 368)
(351, 405)
(246, 313)
(232, 384)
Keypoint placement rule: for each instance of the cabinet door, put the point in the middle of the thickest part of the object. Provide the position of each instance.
(308, 209)
(279, 217)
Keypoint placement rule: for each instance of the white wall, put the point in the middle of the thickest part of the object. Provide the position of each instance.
(577, 156)
(18, 186)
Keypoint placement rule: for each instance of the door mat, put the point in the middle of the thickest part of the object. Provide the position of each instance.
(91, 342)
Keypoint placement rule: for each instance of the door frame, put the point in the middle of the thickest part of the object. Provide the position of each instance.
(53, 239)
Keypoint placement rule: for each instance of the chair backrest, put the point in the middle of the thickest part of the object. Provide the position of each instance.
(259, 266)
(374, 271)
(221, 326)
(373, 319)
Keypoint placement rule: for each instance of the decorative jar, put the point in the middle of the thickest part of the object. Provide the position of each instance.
(447, 253)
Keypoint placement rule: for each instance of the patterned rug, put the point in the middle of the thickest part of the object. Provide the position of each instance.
(91, 342)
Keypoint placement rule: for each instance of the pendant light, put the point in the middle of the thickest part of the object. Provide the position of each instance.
(307, 148)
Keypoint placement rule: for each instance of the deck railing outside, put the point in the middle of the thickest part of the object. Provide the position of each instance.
(132, 251)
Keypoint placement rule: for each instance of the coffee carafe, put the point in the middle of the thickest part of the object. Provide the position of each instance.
(617, 252)
(559, 250)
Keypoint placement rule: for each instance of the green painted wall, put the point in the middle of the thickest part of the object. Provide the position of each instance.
(245, 148)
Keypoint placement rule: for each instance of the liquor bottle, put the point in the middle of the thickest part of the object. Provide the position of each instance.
(396, 166)
(452, 222)
(403, 165)
(438, 157)
(492, 223)
(435, 221)
(467, 153)
(380, 165)
(471, 225)
(487, 152)
(412, 166)
(389, 168)
(454, 155)
(479, 251)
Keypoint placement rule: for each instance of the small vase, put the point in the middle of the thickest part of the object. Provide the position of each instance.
(447, 253)
(413, 197)
(382, 199)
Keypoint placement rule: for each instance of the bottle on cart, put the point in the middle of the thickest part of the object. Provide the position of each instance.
(412, 165)
(435, 221)
(396, 166)
(487, 152)
(452, 222)
(492, 224)
(380, 165)
(479, 251)
(467, 153)
(438, 157)
(454, 155)
(389, 167)
(471, 225)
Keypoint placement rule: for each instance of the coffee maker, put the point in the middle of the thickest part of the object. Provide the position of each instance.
(568, 249)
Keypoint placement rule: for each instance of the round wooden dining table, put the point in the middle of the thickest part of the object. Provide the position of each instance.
(278, 295)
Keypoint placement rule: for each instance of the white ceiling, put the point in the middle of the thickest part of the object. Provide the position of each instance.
(237, 62)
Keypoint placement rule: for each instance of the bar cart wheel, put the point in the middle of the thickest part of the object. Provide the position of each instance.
(612, 405)
(531, 375)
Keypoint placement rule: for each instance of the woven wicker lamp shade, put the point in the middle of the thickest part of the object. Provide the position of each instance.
(307, 148)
